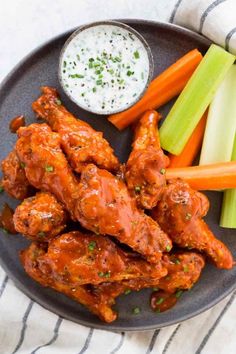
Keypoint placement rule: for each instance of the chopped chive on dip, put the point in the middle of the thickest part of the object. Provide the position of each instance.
(107, 62)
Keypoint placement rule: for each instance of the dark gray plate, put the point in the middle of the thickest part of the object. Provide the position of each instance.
(18, 91)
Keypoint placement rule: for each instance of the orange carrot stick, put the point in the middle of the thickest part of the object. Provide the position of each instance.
(207, 177)
(164, 87)
(192, 147)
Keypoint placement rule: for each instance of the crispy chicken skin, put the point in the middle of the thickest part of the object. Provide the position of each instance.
(145, 169)
(14, 180)
(77, 258)
(40, 217)
(82, 294)
(180, 213)
(81, 143)
(105, 207)
(46, 167)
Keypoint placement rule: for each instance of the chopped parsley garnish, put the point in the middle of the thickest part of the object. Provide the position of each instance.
(104, 275)
(57, 101)
(185, 268)
(162, 171)
(168, 248)
(128, 291)
(137, 189)
(136, 310)
(1, 189)
(136, 55)
(22, 165)
(155, 289)
(92, 245)
(178, 293)
(188, 216)
(3, 230)
(176, 261)
(49, 168)
(160, 301)
(41, 234)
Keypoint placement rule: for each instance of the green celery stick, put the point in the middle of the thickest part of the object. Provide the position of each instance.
(219, 135)
(194, 99)
(228, 212)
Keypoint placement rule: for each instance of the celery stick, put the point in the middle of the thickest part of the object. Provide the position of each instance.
(221, 123)
(194, 99)
(228, 212)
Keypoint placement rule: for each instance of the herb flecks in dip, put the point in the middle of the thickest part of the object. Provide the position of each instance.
(105, 68)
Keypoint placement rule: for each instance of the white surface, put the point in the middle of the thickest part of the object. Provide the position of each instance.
(25, 24)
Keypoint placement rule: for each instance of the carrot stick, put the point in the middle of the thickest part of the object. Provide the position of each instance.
(192, 147)
(163, 88)
(207, 177)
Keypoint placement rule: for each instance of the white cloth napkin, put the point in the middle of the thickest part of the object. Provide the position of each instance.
(27, 328)
(213, 19)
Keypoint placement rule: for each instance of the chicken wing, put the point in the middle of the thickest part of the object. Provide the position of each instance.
(81, 143)
(78, 259)
(45, 165)
(105, 207)
(40, 218)
(145, 169)
(180, 213)
(81, 294)
(184, 270)
(14, 180)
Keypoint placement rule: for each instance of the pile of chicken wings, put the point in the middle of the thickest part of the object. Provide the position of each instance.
(132, 229)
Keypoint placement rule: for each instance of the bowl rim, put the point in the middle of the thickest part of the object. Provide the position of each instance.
(114, 23)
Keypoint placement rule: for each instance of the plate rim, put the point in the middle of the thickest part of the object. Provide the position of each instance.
(26, 290)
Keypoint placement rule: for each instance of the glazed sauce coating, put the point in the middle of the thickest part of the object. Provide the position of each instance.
(16, 123)
(145, 169)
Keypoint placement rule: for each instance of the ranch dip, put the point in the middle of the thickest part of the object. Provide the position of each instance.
(105, 68)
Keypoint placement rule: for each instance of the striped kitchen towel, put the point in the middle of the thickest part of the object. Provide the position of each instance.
(213, 19)
(26, 327)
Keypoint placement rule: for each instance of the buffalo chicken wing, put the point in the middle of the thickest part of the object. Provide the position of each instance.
(180, 213)
(81, 143)
(40, 217)
(145, 169)
(14, 179)
(78, 259)
(46, 167)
